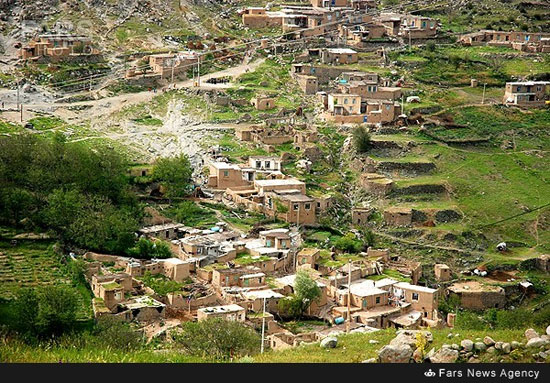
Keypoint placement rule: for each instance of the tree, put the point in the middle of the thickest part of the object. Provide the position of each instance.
(306, 291)
(45, 312)
(219, 338)
(348, 243)
(361, 139)
(147, 249)
(174, 174)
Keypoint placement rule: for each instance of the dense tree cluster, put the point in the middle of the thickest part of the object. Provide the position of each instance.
(79, 194)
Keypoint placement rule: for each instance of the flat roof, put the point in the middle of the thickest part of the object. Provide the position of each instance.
(155, 228)
(222, 309)
(408, 286)
(290, 279)
(278, 182)
(225, 165)
(340, 50)
(261, 294)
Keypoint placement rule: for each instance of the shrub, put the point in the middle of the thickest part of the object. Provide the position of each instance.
(218, 338)
(361, 139)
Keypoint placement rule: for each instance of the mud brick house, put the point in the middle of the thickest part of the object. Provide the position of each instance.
(165, 231)
(370, 90)
(142, 309)
(442, 272)
(228, 312)
(475, 295)
(360, 35)
(255, 299)
(292, 206)
(257, 17)
(418, 27)
(224, 175)
(307, 83)
(210, 248)
(239, 276)
(173, 268)
(166, 64)
(57, 47)
(276, 238)
(339, 56)
(422, 299)
(523, 41)
(308, 257)
(528, 93)
(382, 111)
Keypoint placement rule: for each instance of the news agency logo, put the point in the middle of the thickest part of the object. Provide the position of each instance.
(429, 373)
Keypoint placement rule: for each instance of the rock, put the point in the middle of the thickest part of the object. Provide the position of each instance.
(444, 355)
(455, 346)
(371, 360)
(473, 359)
(491, 350)
(515, 345)
(548, 330)
(329, 342)
(498, 345)
(408, 337)
(467, 345)
(399, 353)
(373, 341)
(488, 341)
(530, 334)
(450, 335)
(480, 346)
(429, 354)
(506, 348)
(536, 342)
(418, 356)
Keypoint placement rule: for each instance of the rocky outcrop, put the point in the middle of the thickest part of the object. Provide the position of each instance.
(445, 355)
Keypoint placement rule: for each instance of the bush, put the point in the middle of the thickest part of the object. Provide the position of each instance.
(361, 139)
(218, 338)
(348, 243)
(174, 174)
(147, 249)
(45, 312)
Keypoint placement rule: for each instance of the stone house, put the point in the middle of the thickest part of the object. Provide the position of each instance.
(382, 112)
(166, 231)
(396, 216)
(543, 263)
(478, 296)
(308, 84)
(166, 64)
(376, 184)
(308, 257)
(263, 102)
(418, 27)
(360, 215)
(422, 299)
(535, 42)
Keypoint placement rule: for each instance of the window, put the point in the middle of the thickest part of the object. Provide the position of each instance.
(226, 173)
(423, 24)
(377, 300)
(318, 205)
(364, 303)
(353, 101)
(267, 164)
(518, 89)
(388, 107)
(415, 296)
(345, 100)
(296, 206)
(258, 164)
(307, 206)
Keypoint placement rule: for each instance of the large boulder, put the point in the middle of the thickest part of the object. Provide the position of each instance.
(329, 342)
(548, 330)
(444, 355)
(530, 334)
(488, 341)
(409, 337)
(467, 345)
(506, 348)
(536, 342)
(400, 353)
(480, 346)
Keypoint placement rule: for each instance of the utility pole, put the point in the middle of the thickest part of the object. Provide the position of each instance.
(483, 97)
(21, 117)
(410, 40)
(263, 329)
(18, 82)
(349, 296)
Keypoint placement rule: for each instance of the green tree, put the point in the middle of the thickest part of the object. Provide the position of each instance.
(348, 243)
(218, 338)
(174, 174)
(361, 139)
(306, 291)
(147, 249)
(45, 312)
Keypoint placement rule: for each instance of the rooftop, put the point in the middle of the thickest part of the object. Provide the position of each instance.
(222, 309)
